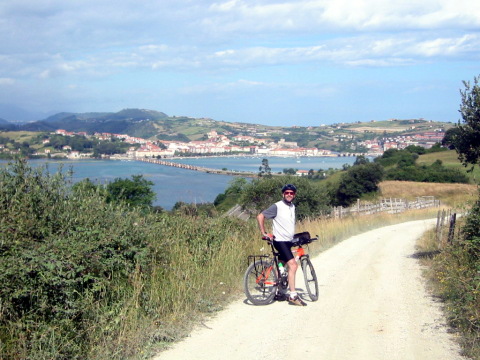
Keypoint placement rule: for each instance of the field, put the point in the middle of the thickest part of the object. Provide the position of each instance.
(450, 159)
(453, 195)
(393, 125)
(19, 136)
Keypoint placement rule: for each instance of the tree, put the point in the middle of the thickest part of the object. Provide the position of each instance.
(136, 192)
(264, 169)
(467, 140)
(290, 171)
(361, 160)
(358, 180)
(450, 137)
(310, 201)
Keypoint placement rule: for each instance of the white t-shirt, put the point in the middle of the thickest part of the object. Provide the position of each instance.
(283, 215)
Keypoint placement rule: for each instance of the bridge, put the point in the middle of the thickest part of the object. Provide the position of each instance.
(197, 168)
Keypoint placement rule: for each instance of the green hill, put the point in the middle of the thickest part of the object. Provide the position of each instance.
(449, 159)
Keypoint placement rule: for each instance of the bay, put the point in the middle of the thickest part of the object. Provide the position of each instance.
(173, 184)
(277, 164)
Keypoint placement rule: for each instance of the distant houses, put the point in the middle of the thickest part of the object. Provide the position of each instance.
(216, 144)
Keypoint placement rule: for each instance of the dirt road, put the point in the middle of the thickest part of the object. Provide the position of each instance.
(373, 305)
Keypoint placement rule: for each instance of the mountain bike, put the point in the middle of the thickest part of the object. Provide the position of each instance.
(264, 279)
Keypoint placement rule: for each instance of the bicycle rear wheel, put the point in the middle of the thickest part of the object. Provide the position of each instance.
(311, 282)
(260, 282)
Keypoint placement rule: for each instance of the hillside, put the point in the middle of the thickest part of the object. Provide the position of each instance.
(449, 159)
(156, 125)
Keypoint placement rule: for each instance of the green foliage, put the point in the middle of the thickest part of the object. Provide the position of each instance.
(290, 171)
(194, 210)
(356, 181)
(76, 142)
(61, 252)
(361, 160)
(457, 271)
(310, 200)
(264, 169)
(135, 192)
(226, 200)
(466, 137)
(451, 137)
(394, 156)
(471, 229)
(420, 150)
(438, 147)
(401, 165)
(86, 279)
(435, 172)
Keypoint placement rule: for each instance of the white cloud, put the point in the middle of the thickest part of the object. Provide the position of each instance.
(360, 15)
(441, 47)
(6, 81)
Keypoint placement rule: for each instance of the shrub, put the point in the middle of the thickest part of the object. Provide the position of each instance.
(310, 201)
(357, 181)
(61, 252)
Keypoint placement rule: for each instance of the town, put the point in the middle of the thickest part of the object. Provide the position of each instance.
(217, 144)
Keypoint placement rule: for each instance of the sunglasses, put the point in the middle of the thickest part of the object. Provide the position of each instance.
(289, 193)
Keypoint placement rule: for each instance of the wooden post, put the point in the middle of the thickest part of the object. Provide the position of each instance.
(451, 230)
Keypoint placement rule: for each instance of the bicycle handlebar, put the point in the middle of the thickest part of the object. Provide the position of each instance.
(270, 238)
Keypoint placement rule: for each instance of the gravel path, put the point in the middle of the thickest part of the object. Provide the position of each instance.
(372, 305)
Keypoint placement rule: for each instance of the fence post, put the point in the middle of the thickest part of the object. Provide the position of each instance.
(442, 221)
(451, 230)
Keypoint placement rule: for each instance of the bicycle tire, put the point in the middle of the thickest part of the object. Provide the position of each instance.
(261, 282)
(311, 282)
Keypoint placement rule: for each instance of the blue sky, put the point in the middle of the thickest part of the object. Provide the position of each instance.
(291, 62)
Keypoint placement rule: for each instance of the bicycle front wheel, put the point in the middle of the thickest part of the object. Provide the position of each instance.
(311, 282)
(260, 282)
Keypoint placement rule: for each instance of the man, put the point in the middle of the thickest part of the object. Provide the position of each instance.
(283, 215)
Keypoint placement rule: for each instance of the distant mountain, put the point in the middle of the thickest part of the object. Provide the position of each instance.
(126, 114)
(6, 125)
(17, 115)
(134, 122)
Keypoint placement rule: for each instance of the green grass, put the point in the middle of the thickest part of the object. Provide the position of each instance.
(450, 160)
(19, 136)
(453, 277)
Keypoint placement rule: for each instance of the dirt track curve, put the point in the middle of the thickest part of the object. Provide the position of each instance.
(373, 305)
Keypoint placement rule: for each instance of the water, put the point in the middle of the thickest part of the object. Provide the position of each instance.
(174, 184)
(277, 164)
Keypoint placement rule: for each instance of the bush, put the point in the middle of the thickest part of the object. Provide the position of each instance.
(435, 173)
(457, 271)
(61, 253)
(310, 201)
(86, 279)
(357, 181)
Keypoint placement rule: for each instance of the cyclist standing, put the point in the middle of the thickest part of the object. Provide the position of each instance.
(283, 215)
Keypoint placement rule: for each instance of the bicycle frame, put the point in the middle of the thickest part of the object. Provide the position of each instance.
(263, 280)
(265, 273)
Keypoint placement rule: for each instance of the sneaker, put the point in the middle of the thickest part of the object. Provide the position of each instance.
(280, 297)
(296, 301)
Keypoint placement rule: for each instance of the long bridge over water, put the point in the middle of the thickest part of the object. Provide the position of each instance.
(197, 168)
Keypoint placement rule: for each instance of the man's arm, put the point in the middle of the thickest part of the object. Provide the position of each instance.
(269, 213)
(261, 223)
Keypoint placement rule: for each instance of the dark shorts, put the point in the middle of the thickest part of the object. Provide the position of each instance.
(285, 249)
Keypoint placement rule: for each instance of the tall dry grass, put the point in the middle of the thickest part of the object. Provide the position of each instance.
(452, 195)
(332, 231)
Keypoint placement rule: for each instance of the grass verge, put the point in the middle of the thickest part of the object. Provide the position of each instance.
(453, 275)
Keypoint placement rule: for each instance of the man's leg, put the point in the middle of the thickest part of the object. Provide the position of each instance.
(294, 299)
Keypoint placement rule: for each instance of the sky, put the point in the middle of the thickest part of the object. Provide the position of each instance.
(271, 62)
